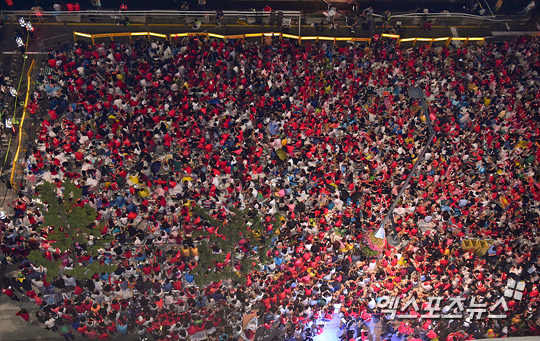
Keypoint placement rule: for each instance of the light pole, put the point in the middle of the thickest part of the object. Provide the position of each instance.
(392, 238)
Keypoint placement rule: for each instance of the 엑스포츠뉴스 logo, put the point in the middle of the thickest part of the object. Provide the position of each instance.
(514, 289)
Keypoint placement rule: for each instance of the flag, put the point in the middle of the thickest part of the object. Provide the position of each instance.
(380, 233)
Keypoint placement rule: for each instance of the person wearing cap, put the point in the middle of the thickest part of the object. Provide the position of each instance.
(66, 333)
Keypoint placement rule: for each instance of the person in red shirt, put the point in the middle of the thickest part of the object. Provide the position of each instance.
(31, 295)
(9, 292)
(24, 315)
(83, 330)
(81, 308)
(115, 304)
(444, 262)
(92, 333)
(111, 328)
(147, 269)
(389, 285)
(38, 299)
(177, 285)
(192, 330)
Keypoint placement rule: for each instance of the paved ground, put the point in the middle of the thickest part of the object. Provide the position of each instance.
(13, 328)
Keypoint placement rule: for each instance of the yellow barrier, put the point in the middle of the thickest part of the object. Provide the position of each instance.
(393, 36)
(29, 81)
(122, 34)
(271, 34)
(238, 36)
(213, 35)
(399, 40)
(447, 40)
(362, 39)
(290, 36)
(219, 36)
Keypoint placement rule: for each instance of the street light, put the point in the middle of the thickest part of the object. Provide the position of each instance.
(393, 239)
(417, 93)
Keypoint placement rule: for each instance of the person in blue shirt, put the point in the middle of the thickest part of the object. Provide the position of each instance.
(120, 201)
(189, 278)
(167, 287)
(131, 207)
(141, 257)
(121, 327)
(273, 127)
(218, 296)
(201, 301)
(75, 324)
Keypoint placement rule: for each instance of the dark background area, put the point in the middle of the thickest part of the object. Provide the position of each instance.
(508, 7)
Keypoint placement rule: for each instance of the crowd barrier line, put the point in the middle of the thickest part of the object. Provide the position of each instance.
(170, 37)
(16, 158)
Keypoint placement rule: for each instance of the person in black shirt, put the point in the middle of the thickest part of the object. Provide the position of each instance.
(121, 238)
(315, 249)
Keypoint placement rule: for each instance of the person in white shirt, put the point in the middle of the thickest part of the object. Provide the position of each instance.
(426, 286)
(50, 324)
(372, 303)
(69, 281)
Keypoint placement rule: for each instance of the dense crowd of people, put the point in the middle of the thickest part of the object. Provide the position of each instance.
(325, 135)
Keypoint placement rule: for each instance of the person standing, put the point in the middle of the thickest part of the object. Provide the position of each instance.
(66, 333)
(50, 323)
(202, 5)
(9, 292)
(24, 315)
(121, 328)
(96, 4)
